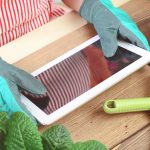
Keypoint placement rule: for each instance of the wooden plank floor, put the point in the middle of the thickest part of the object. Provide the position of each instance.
(140, 140)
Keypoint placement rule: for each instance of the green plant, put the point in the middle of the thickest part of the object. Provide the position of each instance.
(19, 133)
(3, 122)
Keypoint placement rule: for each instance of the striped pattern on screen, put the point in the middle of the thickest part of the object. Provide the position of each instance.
(64, 82)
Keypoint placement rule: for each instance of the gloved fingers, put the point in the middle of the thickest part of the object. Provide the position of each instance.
(22, 78)
(8, 102)
(108, 39)
(17, 100)
(28, 82)
(137, 38)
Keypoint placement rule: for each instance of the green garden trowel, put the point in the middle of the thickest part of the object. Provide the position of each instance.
(127, 105)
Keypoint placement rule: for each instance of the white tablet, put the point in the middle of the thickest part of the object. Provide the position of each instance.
(79, 75)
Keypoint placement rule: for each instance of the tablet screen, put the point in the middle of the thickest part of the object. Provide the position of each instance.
(77, 74)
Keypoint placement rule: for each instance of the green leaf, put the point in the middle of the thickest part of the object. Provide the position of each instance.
(89, 145)
(22, 134)
(3, 124)
(56, 138)
(3, 117)
(2, 138)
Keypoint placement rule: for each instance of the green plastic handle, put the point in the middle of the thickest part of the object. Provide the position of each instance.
(127, 105)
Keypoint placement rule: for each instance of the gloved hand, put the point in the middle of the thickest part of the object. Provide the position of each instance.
(110, 22)
(12, 78)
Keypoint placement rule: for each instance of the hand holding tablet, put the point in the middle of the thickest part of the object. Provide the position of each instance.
(78, 76)
(111, 22)
(11, 79)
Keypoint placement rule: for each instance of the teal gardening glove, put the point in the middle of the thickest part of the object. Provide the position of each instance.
(12, 78)
(110, 22)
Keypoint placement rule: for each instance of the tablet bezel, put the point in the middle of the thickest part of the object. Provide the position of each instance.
(45, 119)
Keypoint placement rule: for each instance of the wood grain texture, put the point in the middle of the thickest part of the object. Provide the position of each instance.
(141, 141)
(139, 10)
(55, 49)
(90, 121)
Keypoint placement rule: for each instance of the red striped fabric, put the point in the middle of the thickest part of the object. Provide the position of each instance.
(64, 82)
(18, 17)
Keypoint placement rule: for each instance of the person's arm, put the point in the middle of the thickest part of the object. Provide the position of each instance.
(110, 22)
(74, 4)
(13, 79)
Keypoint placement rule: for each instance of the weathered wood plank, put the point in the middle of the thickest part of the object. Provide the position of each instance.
(141, 141)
